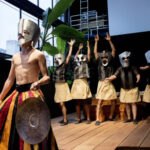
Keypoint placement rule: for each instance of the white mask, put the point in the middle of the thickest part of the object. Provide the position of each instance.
(29, 32)
(59, 59)
(123, 57)
(80, 58)
(147, 56)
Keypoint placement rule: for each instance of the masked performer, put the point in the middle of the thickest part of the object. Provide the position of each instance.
(105, 90)
(62, 91)
(129, 93)
(146, 96)
(80, 88)
(25, 68)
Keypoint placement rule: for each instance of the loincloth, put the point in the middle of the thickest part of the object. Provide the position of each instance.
(106, 91)
(130, 96)
(80, 89)
(62, 92)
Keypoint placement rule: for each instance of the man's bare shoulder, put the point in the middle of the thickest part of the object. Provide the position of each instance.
(16, 55)
(38, 53)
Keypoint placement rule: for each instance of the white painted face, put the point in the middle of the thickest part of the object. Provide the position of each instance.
(28, 31)
(59, 59)
(125, 58)
(80, 58)
(147, 56)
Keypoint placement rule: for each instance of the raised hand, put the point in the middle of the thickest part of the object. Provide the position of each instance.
(80, 46)
(71, 43)
(108, 37)
(97, 37)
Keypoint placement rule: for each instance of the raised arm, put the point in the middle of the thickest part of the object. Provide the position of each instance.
(71, 43)
(89, 51)
(95, 46)
(108, 38)
(80, 47)
(9, 82)
(42, 65)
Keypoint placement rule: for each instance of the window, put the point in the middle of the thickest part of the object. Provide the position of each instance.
(49, 59)
(9, 16)
(44, 4)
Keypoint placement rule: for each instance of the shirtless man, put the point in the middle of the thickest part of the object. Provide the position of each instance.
(25, 68)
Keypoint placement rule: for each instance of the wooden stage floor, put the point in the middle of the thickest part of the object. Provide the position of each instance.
(109, 135)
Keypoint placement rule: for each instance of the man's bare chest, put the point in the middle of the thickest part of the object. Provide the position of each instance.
(25, 62)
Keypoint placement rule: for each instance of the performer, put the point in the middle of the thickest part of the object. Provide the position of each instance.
(25, 68)
(129, 93)
(146, 96)
(105, 90)
(62, 91)
(80, 88)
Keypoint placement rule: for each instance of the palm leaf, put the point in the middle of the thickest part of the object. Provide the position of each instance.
(61, 44)
(67, 33)
(50, 49)
(58, 10)
(45, 17)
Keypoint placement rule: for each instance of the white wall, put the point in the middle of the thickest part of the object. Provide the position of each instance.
(128, 16)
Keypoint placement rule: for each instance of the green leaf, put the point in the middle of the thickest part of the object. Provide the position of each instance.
(50, 49)
(45, 17)
(51, 69)
(69, 82)
(59, 9)
(61, 44)
(67, 33)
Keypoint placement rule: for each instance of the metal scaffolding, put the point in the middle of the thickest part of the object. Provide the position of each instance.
(88, 20)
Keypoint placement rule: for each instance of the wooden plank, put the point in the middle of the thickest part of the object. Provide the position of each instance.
(107, 136)
(113, 141)
(146, 142)
(84, 137)
(91, 143)
(77, 135)
(71, 131)
(135, 138)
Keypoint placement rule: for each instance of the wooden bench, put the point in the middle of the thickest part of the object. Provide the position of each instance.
(119, 114)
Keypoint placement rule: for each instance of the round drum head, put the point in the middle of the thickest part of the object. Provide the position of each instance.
(33, 120)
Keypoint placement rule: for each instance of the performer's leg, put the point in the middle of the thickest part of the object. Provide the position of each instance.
(99, 106)
(78, 110)
(87, 109)
(64, 111)
(112, 109)
(134, 112)
(128, 113)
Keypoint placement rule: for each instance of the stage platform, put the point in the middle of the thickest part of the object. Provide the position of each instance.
(109, 135)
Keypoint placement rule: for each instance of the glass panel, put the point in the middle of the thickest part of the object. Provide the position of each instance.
(44, 4)
(9, 17)
(55, 2)
(26, 15)
(49, 58)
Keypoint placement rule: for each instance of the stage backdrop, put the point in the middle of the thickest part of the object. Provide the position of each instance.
(128, 16)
